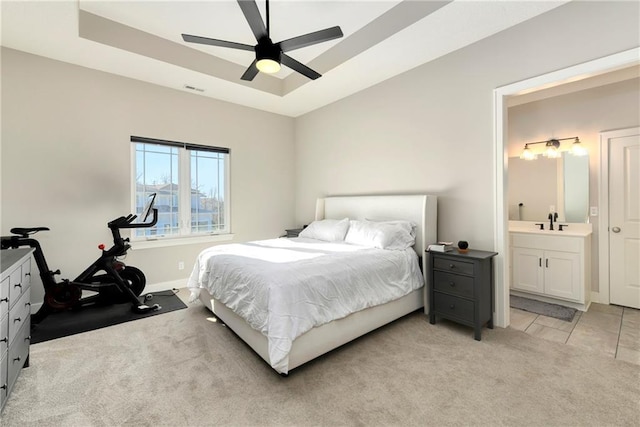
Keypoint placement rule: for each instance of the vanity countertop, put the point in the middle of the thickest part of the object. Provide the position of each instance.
(530, 227)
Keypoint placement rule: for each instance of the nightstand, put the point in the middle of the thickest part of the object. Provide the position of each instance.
(460, 287)
(293, 232)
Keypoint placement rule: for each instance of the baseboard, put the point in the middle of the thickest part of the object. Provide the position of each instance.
(156, 287)
(165, 286)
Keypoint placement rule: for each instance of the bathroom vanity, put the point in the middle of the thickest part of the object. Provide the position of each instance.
(551, 265)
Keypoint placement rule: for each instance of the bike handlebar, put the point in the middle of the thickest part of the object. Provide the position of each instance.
(126, 222)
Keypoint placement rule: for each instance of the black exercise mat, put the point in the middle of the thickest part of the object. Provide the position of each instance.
(65, 323)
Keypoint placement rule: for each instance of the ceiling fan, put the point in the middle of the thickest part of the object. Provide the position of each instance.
(270, 55)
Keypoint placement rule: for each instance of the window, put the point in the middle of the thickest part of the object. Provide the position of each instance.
(191, 185)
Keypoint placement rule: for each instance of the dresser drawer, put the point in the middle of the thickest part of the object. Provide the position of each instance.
(453, 266)
(451, 306)
(15, 286)
(18, 353)
(4, 334)
(4, 297)
(19, 315)
(4, 381)
(453, 283)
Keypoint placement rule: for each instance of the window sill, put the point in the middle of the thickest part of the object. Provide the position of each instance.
(179, 241)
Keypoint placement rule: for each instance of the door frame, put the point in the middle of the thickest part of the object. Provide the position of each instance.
(500, 95)
(603, 201)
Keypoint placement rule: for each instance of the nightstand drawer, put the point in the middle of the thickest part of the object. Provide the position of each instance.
(453, 266)
(450, 306)
(453, 283)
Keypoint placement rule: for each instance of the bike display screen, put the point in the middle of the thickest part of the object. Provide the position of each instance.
(148, 208)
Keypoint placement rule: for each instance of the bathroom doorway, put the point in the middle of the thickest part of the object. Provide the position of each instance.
(501, 96)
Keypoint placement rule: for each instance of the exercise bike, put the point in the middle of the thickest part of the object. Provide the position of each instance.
(112, 281)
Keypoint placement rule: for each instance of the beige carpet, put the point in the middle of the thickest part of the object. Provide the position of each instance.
(180, 369)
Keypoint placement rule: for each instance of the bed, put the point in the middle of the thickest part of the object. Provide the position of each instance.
(301, 340)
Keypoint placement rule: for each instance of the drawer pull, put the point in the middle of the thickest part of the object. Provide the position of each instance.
(16, 359)
(452, 283)
(27, 274)
(27, 304)
(5, 339)
(17, 319)
(17, 285)
(4, 300)
(3, 387)
(452, 306)
(27, 338)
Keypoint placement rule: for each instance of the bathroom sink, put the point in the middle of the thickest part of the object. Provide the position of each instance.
(530, 227)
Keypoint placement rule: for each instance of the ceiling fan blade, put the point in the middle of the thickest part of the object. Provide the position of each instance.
(251, 72)
(253, 17)
(216, 42)
(310, 39)
(296, 66)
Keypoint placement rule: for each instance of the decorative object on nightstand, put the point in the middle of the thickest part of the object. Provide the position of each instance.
(460, 287)
(463, 246)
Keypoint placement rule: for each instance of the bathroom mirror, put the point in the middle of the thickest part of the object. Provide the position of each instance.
(537, 187)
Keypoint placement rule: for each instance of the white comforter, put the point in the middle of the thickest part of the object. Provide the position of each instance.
(285, 287)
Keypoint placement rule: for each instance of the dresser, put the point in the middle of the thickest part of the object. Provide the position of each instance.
(460, 288)
(15, 315)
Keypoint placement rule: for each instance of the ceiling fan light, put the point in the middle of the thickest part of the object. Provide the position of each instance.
(267, 65)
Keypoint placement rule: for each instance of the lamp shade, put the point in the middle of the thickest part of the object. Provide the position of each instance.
(552, 149)
(527, 154)
(577, 149)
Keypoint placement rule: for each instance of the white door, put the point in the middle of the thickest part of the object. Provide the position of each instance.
(624, 218)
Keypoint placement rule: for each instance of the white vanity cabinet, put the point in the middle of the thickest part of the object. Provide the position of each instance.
(15, 315)
(552, 266)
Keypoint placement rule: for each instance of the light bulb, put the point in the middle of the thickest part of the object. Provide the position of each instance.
(268, 66)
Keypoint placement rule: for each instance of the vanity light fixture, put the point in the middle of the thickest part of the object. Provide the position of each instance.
(552, 148)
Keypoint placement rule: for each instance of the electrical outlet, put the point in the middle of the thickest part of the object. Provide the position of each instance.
(180, 265)
(593, 211)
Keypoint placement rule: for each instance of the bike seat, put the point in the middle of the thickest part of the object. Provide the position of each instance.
(24, 232)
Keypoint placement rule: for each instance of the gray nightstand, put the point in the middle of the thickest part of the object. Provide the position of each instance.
(460, 287)
(293, 232)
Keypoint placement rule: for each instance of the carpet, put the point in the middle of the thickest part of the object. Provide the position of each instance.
(182, 369)
(65, 323)
(544, 308)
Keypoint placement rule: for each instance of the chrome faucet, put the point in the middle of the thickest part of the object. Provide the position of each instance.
(552, 217)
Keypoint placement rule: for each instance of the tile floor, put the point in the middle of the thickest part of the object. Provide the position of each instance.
(605, 329)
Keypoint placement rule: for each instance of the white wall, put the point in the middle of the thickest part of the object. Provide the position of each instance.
(584, 114)
(431, 129)
(66, 159)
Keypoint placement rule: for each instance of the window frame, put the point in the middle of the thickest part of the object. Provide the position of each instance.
(185, 235)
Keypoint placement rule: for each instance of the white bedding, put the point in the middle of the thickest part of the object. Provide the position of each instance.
(285, 287)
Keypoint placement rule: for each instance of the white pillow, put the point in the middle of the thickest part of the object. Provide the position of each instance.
(394, 235)
(330, 230)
